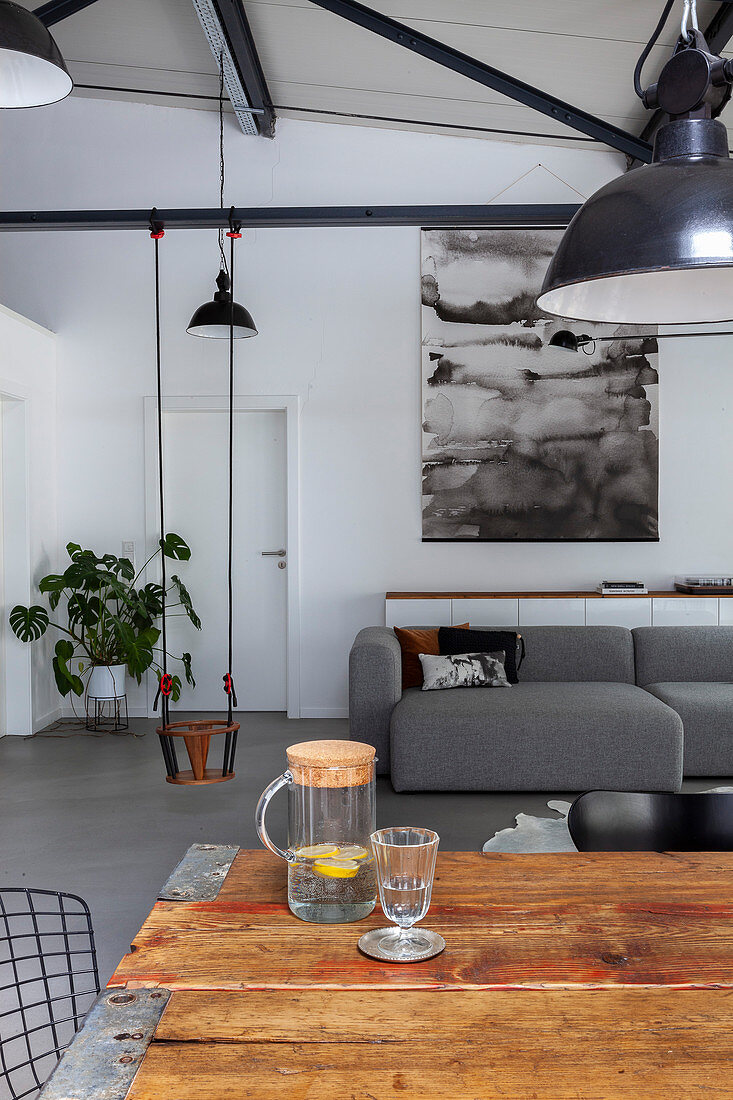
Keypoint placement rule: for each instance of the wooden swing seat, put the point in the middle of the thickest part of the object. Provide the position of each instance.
(196, 736)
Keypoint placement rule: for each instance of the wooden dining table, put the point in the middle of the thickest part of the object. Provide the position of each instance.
(564, 976)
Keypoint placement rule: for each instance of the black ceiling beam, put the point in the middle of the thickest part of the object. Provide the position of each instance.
(287, 217)
(490, 77)
(718, 34)
(236, 29)
(56, 10)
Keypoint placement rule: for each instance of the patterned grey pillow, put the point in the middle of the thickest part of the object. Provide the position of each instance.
(463, 670)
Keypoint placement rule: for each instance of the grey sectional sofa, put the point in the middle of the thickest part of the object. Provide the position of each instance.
(596, 706)
(690, 668)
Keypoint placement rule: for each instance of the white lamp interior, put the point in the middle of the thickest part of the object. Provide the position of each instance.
(30, 81)
(697, 295)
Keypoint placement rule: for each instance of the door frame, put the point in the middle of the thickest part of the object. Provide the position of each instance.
(15, 555)
(290, 405)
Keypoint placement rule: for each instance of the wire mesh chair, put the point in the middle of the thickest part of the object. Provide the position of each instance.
(48, 982)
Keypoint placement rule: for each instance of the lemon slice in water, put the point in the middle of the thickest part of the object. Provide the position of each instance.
(336, 868)
(316, 851)
(352, 851)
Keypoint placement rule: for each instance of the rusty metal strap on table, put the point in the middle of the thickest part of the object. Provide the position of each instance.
(200, 874)
(106, 1054)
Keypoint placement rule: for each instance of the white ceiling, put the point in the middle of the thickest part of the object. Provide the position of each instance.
(321, 67)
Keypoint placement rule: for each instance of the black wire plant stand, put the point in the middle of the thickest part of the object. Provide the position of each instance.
(48, 982)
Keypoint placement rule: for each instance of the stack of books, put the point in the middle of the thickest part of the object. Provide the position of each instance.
(622, 588)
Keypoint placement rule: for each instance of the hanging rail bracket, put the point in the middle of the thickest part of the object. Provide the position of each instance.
(287, 217)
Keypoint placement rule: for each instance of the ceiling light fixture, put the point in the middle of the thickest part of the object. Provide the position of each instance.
(222, 318)
(32, 70)
(212, 318)
(655, 246)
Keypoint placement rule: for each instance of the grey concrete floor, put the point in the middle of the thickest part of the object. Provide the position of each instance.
(94, 816)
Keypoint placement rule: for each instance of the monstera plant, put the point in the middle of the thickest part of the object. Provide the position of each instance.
(105, 618)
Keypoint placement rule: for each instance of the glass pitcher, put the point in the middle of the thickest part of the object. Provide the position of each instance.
(331, 815)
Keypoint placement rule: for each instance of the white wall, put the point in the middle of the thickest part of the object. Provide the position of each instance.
(28, 518)
(338, 315)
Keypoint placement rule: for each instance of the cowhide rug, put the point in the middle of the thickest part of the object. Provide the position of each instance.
(546, 834)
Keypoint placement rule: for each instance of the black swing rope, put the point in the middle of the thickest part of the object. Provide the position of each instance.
(230, 744)
(165, 684)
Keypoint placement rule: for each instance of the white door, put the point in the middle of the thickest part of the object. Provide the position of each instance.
(196, 477)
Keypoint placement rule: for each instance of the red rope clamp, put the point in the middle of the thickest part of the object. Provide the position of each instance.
(234, 227)
(230, 689)
(166, 684)
(157, 229)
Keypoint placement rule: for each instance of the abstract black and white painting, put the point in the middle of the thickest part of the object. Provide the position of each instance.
(523, 440)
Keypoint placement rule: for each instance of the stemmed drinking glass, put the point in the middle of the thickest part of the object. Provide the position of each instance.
(405, 865)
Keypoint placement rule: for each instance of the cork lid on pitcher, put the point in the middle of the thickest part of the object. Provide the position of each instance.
(331, 763)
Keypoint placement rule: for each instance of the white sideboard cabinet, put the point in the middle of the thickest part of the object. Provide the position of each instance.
(517, 609)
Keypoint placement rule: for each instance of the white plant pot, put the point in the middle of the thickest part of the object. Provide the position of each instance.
(106, 682)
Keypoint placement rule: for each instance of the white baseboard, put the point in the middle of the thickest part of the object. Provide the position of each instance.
(44, 720)
(324, 712)
(41, 721)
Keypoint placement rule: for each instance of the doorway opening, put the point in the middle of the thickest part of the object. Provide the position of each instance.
(16, 707)
(266, 568)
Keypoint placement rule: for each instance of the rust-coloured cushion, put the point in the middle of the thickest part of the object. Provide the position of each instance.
(412, 644)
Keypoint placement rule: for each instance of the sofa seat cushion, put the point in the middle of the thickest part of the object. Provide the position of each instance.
(536, 736)
(706, 710)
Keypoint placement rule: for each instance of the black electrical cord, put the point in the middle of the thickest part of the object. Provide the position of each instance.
(649, 46)
(221, 157)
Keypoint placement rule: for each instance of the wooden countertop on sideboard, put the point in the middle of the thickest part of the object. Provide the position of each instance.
(554, 595)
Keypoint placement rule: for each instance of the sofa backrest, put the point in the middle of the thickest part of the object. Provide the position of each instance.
(581, 653)
(674, 654)
(561, 654)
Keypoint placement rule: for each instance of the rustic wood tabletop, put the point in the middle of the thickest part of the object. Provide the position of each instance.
(592, 976)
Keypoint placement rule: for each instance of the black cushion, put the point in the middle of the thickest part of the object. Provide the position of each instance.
(453, 640)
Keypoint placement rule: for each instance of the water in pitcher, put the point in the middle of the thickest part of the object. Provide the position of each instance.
(332, 883)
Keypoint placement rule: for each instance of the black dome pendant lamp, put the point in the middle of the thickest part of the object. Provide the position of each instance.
(212, 319)
(32, 70)
(222, 318)
(655, 246)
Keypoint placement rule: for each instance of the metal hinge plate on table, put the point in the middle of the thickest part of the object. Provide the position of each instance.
(199, 875)
(105, 1055)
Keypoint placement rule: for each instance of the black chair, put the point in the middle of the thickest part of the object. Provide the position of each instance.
(48, 982)
(620, 821)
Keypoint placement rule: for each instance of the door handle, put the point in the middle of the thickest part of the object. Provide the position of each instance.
(273, 553)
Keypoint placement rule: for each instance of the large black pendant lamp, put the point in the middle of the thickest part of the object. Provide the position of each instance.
(222, 318)
(32, 70)
(655, 246)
